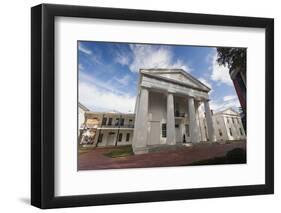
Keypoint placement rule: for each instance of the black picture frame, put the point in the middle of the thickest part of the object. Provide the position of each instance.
(43, 105)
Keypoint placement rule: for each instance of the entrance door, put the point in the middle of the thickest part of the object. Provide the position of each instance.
(110, 139)
(179, 137)
(154, 135)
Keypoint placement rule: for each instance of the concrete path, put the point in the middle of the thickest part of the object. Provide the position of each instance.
(96, 159)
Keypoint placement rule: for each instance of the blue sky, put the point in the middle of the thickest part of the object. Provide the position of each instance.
(108, 72)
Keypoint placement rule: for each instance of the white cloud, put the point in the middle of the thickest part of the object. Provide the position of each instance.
(122, 58)
(229, 97)
(83, 49)
(226, 102)
(149, 56)
(207, 83)
(220, 73)
(101, 96)
(124, 81)
(93, 56)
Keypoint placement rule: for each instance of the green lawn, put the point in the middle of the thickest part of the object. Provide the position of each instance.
(120, 152)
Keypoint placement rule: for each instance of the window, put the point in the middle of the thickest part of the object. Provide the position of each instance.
(128, 137)
(230, 132)
(120, 137)
(122, 122)
(241, 132)
(117, 122)
(220, 132)
(104, 119)
(109, 121)
(233, 120)
(131, 124)
(164, 130)
(187, 130)
(177, 125)
(100, 137)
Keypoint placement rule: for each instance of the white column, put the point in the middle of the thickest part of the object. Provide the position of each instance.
(209, 120)
(197, 105)
(193, 125)
(171, 132)
(141, 125)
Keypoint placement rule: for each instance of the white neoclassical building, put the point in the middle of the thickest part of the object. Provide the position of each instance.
(228, 125)
(167, 109)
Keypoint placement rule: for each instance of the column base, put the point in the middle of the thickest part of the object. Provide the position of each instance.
(172, 143)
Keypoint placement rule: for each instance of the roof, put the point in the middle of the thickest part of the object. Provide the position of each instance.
(178, 76)
(110, 113)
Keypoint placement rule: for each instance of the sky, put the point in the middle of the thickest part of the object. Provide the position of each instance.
(108, 73)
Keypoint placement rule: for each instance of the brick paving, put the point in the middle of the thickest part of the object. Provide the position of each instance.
(95, 159)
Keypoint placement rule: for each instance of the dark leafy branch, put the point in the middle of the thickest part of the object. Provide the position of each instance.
(233, 58)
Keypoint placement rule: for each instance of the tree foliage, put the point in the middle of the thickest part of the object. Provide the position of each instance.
(233, 58)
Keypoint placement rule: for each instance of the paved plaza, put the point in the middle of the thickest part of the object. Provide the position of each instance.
(96, 158)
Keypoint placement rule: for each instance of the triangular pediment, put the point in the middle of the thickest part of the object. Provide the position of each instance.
(177, 75)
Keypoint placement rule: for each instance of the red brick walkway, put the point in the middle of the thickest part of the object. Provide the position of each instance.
(96, 159)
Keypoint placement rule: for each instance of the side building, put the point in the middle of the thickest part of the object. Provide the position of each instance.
(108, 129)
(228, 125)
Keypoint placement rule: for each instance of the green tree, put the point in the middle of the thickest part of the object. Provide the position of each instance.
(233, 58)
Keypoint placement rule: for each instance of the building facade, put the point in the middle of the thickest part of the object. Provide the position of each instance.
(167, 109)
(108, 129)
(228, 125)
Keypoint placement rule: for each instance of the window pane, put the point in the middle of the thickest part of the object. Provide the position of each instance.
(128, 137)
(164, 129)
(120, 137)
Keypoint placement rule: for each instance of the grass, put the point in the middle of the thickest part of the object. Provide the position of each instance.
(120, 152)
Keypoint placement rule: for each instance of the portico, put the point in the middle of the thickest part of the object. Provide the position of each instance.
(167, 109)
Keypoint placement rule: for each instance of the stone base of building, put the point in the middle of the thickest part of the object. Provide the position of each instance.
(166, 147)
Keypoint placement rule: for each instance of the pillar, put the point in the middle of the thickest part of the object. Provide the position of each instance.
(141, 124)
(171, 132)
(209, 120)
(193, 124)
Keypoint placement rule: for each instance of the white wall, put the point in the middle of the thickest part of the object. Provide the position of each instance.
(224, 126)
(15, 97)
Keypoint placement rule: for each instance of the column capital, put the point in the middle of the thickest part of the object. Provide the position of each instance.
(170, 92)
(191, 97)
